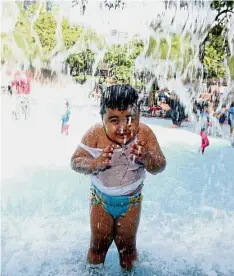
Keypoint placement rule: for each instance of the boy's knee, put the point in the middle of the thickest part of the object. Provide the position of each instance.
(97, 250)
(96, 255)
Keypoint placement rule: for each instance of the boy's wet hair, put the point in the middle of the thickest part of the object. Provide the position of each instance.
(118, 96)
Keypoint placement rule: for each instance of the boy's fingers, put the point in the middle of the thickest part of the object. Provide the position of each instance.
(141, 143)
(107, 154)
(109, 149)
(140, 147)
(136, 153)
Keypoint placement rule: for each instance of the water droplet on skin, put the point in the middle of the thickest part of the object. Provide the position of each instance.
(129, 120)
(121, 130)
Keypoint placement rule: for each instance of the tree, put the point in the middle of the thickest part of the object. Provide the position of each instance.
(70, 34)
(22, 34)
(224, 10)
(110, 4)
(35, 31)
(81, 63)
(231, 67)
(179, 51)
(121, 58)
(215, 53)
(45, 27)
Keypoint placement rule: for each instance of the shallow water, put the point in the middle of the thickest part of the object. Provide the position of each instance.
(187, 216)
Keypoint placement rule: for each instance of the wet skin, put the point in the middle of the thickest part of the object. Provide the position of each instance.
(118, 128)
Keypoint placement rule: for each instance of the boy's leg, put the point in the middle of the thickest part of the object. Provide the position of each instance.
(102, 229)
(125, 236)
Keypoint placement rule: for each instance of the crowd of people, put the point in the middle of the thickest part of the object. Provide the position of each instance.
(165, 104)
(210, 108)
(214, 110)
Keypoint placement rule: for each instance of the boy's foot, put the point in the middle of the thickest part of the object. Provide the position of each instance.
(95, 270)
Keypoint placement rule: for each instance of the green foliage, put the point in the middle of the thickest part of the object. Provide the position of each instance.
(151, 46)
(214, 48)
(180, 50)
(213, 61)
(81, 62)
(221, 5)
(120, 58)
(6, 53)
(231, 66)
(26, 34)
(70, 34)
(215, 53)
(45, 26)
(23, 35)
(81, 78)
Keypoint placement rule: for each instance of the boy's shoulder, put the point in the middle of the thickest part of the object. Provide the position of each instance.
(144, 129)
(91, 137)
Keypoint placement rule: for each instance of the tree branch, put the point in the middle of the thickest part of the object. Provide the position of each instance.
(222, 12)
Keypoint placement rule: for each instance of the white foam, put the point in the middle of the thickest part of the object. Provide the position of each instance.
(187, 218)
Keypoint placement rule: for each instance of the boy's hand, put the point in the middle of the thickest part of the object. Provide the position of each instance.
(140, 151)
(104, 160)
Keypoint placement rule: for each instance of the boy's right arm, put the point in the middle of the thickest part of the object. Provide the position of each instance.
(82, 163)
(81, 160)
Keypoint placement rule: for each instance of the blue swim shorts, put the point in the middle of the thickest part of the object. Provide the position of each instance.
(115, 206)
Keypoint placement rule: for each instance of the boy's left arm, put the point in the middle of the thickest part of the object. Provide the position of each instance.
(147, 150)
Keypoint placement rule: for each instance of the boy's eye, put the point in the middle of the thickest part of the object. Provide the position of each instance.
(115, 121)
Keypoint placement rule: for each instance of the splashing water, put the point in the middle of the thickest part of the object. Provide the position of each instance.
(188, 213)
(129, 120)
(121, 129)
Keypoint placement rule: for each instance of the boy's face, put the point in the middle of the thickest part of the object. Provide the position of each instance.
(121, 126)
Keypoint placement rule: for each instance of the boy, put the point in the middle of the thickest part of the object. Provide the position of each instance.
(116, 154)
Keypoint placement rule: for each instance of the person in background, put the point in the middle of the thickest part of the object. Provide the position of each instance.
(222, 116)
(112, 81)
(231, 118)
(204, 140)
(65, 120)
(205, 118)
(177, 111)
